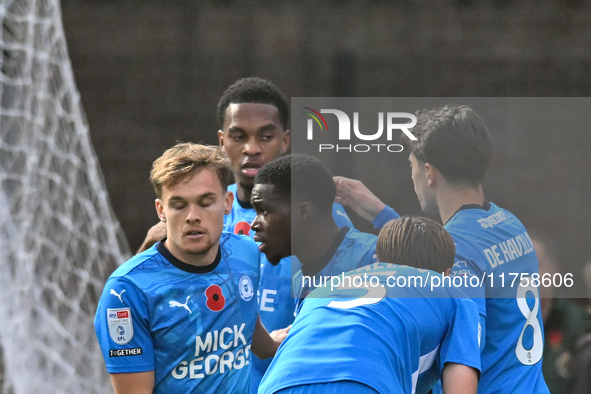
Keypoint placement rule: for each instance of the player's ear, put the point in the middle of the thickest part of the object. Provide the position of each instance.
(431, 173)
(228, 201)
(160, 210)
(285, 141)
(303, 211)
(447, 271)
(221, 139)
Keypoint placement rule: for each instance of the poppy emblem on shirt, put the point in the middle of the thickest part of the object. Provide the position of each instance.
(215, 298)
(242, 228)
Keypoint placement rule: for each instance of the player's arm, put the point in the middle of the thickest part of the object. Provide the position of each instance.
(133, 383)
(459, 379)
(156, 233)
(265, 344)
(459, 353)
(123, 332)
(357, 196)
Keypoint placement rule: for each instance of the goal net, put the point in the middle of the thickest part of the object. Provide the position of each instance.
(59, 239)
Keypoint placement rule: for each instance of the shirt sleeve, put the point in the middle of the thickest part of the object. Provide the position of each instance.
(461, 342)
(122, 328)
(340, 216)
(384, 217)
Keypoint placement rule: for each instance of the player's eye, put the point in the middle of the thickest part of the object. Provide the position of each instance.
(206, 203)
(259, 211)
(237, 136)
(267, 137)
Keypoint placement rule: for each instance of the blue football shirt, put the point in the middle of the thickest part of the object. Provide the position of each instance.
(392, 339)
(276, 307)
(491, 243)
(192, 326)
(351, 249)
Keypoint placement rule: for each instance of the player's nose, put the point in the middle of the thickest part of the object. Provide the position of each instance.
(252, 147)
(193, 214)
(256, 224)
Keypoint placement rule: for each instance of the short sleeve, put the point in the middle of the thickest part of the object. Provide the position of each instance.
(461, 342)
(122, 328)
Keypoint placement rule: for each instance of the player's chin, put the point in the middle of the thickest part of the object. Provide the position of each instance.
(273, 258)
(198, 248)
(246, 181)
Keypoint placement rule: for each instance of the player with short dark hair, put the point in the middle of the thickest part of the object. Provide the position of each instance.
(253, 117)
(253, 90)
(452, 128)
(381, 338)
(182, 316)
(302, 177)
(292, 198)
(449, 160)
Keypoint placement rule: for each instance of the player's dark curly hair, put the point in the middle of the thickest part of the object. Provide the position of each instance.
(253, 90)
(300, 177)
(455, 140)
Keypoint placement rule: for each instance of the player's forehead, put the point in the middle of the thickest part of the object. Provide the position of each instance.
(265, 194)
(252, 117)
(202, 182)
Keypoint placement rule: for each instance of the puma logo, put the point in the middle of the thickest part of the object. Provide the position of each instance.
(175, 303)
(342, 214)
(118, 295)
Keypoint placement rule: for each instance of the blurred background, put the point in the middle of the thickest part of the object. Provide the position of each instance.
(150, 73)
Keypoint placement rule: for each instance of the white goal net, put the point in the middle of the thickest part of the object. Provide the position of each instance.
(59, 239)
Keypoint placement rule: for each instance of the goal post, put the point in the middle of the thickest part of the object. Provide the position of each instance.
(59, 238)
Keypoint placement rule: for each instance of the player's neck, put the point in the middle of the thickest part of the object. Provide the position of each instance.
(244, 193)
(196, 259)
(451, 198)
(314, 247)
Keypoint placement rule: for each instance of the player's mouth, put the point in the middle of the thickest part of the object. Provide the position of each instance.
(194, 234)
(261, 241)
(250, 169)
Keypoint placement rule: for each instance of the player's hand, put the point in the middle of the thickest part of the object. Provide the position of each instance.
(357, 196)
(156, 233)
(280, 334)
(265, 344)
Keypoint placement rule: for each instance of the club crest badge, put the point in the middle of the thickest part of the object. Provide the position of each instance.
(246, 288)
(120, 325)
